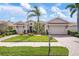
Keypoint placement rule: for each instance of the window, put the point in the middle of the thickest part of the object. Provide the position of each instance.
(30, 23)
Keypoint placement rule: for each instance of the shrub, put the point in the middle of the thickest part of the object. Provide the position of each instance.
(3, 35)
(68, 32)
(72, 33)
(77, 35)
(13, 31)
(21, 34)
(30, 34)
(8, 33)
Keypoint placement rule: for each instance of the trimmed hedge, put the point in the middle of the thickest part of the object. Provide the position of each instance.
(77, 35)
(2, 35)
(73, 33)
(7, 33)
(10, 32)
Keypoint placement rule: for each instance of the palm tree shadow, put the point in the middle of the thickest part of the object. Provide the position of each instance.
(76, 41)
(27, 38)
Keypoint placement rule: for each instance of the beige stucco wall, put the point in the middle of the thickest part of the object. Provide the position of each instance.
(73, 28)
(60, 28)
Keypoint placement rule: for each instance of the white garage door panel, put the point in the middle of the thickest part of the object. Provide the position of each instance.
(57, 30)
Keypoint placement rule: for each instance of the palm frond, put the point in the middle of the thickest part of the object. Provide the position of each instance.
(37, 12)
(71, 6)
(73, 12)
(71, 9)
(31, 11)
(30, 15)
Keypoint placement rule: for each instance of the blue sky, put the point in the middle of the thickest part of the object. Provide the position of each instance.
(18, 11)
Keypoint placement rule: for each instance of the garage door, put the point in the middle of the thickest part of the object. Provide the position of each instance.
(20, 30)
(57, 30)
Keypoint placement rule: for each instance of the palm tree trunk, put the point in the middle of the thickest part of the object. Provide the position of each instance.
(38, 24)
(78, 20)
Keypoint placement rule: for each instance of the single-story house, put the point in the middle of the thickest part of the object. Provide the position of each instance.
(59, 26)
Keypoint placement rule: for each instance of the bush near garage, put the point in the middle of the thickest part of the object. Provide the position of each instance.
(73, 33)
(77, 35)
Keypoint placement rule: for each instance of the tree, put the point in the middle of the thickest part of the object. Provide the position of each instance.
(35, 12)
(41, 27)
(73, 9)
(9, 28)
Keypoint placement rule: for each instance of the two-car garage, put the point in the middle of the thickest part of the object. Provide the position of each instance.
(57, 26)
(57, 30)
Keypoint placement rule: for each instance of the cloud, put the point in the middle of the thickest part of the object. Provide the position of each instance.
(42, 10)
(11, 8)
(26, 5)
(11, 12)
(67, 13)
(57, 12)
(63, 13)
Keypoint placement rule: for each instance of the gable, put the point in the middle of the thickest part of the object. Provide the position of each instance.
(19, 23)
(58, 21)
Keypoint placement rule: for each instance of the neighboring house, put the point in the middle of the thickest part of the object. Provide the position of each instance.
(24, 27)
(19, 27)
(4, 25)
(59, 26)
(54, 26)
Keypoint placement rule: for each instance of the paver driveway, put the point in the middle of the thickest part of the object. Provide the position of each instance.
(72, 43)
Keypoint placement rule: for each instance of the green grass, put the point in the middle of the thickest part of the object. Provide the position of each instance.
(23, 38)
(1, 36)
(33, 51)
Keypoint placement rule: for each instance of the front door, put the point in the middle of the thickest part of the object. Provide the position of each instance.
(30, 29)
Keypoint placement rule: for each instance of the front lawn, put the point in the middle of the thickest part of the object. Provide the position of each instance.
(33, 51)
(0, 36)
(3, 35)
(23, 38)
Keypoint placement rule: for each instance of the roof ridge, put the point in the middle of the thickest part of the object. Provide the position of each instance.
(54, 20)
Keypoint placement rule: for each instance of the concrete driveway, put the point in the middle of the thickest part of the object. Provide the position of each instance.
(72, 43)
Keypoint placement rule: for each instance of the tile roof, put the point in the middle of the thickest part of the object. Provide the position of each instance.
(58, 21)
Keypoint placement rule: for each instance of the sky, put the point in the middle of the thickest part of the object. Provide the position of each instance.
(18, 11)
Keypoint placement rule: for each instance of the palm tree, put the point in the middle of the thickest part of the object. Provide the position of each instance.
(73, 9)
(35, 12)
